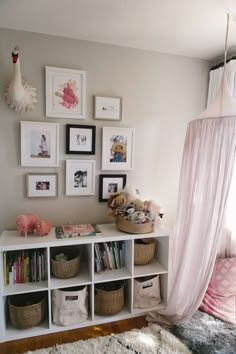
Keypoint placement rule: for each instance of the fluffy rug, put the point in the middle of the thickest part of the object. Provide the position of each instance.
(148, 340)
(205, 334)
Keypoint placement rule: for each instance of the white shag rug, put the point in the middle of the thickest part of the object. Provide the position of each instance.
(148, 340)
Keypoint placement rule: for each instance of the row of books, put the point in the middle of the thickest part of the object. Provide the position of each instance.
(109, 255)
(24, 266)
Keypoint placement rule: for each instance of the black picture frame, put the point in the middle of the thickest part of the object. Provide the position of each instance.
(109, 184)
(80, 139)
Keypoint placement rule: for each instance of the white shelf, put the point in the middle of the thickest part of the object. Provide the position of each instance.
(12, 241)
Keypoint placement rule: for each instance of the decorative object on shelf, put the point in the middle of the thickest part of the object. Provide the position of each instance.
(144, 250)
(70, 305)
(77, 230)
(65, 93)
(20, 95)
(27, 223)
(132, 214)
(80, 177)
(109, 298)
(27, 310)
(39, 144)
(117, 148)
(110, 184)
(147, 291)
(69, 267)
(80, 139)
(43, 227)
(41, 185)
(107, 108)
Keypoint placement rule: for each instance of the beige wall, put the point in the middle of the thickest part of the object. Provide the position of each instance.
(161, 93)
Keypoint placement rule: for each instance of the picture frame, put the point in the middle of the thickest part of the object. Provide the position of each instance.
(39, 144)
(80, 139)
(40, 185)
(65, 93)
(80, 177)
(117, 148)
(108, 108)
(109, 184)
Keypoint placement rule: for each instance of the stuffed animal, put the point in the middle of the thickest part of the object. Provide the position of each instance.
(138, 204)
(23, 224)
(137, 217)
(33, 219)
(43, 227)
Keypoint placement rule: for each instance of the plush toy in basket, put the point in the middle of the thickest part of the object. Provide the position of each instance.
(133, 214)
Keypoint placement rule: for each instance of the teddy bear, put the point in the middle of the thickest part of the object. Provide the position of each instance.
(117, 203)
(138, 204)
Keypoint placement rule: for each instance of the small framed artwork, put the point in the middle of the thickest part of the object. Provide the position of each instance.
(109, 184)
(80, 139)
(39, 144)
(80, 177)
(107, 108)
(65, 93)
(117, 148)
(42, 185)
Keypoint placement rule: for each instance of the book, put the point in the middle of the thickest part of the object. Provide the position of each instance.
(77, 232)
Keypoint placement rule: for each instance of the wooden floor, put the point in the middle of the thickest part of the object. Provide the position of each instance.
(24, 345)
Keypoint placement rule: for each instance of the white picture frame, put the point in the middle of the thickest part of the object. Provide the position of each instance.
(117, 148)
(40, 185)
(39, 144)
(65, 93)
(80, 177)
(108, 108)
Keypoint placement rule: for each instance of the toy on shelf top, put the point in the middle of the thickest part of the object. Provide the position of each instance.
(30, 223)
(127, 206)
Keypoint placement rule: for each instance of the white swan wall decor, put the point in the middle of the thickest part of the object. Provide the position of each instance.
(20, 95)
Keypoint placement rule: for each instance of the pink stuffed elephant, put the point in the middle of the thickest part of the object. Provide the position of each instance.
(43, 227)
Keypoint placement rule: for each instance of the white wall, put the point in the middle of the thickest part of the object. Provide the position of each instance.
(161, 93)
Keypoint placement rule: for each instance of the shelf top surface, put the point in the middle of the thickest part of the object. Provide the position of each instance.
(13, 240)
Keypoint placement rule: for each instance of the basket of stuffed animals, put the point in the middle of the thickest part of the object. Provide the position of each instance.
(133, 214)
(130, 227)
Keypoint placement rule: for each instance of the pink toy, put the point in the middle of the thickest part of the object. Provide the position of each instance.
(33, 219)
(23, 224)
(43, 227)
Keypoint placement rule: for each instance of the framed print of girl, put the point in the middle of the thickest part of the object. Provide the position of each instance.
(65, 93)
(117, 148)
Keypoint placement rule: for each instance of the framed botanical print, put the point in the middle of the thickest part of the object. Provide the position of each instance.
(80, 139)
(110, 184)
(39, 144)
(65, 93)
(117, 148)
(80, 177)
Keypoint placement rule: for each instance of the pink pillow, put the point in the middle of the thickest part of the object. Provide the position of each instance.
(220, 297)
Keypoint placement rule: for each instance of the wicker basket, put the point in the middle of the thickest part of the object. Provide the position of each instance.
(109, 298)
(27, 310)
(133, 228)
(144, 252)
(66, 269)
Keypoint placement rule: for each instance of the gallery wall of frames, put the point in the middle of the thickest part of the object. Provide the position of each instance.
(66, 98)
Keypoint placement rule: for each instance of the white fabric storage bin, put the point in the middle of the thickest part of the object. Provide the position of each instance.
(70, 305)
(147, 292)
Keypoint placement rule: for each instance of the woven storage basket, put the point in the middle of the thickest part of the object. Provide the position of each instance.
(27, 310)
(109, 302)
(144, 252)
(66, 269)
(133, 228)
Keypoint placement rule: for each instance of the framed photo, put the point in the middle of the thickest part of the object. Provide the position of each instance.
(39, 144)
(80, 139)
(107, 108)
(65, 93)
(117, 148)
(109, 184)
(80, 177)
(42, 185)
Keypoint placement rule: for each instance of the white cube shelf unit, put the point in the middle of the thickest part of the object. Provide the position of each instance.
(12, 241)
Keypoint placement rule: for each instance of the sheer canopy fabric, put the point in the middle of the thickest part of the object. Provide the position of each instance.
(206, 172)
